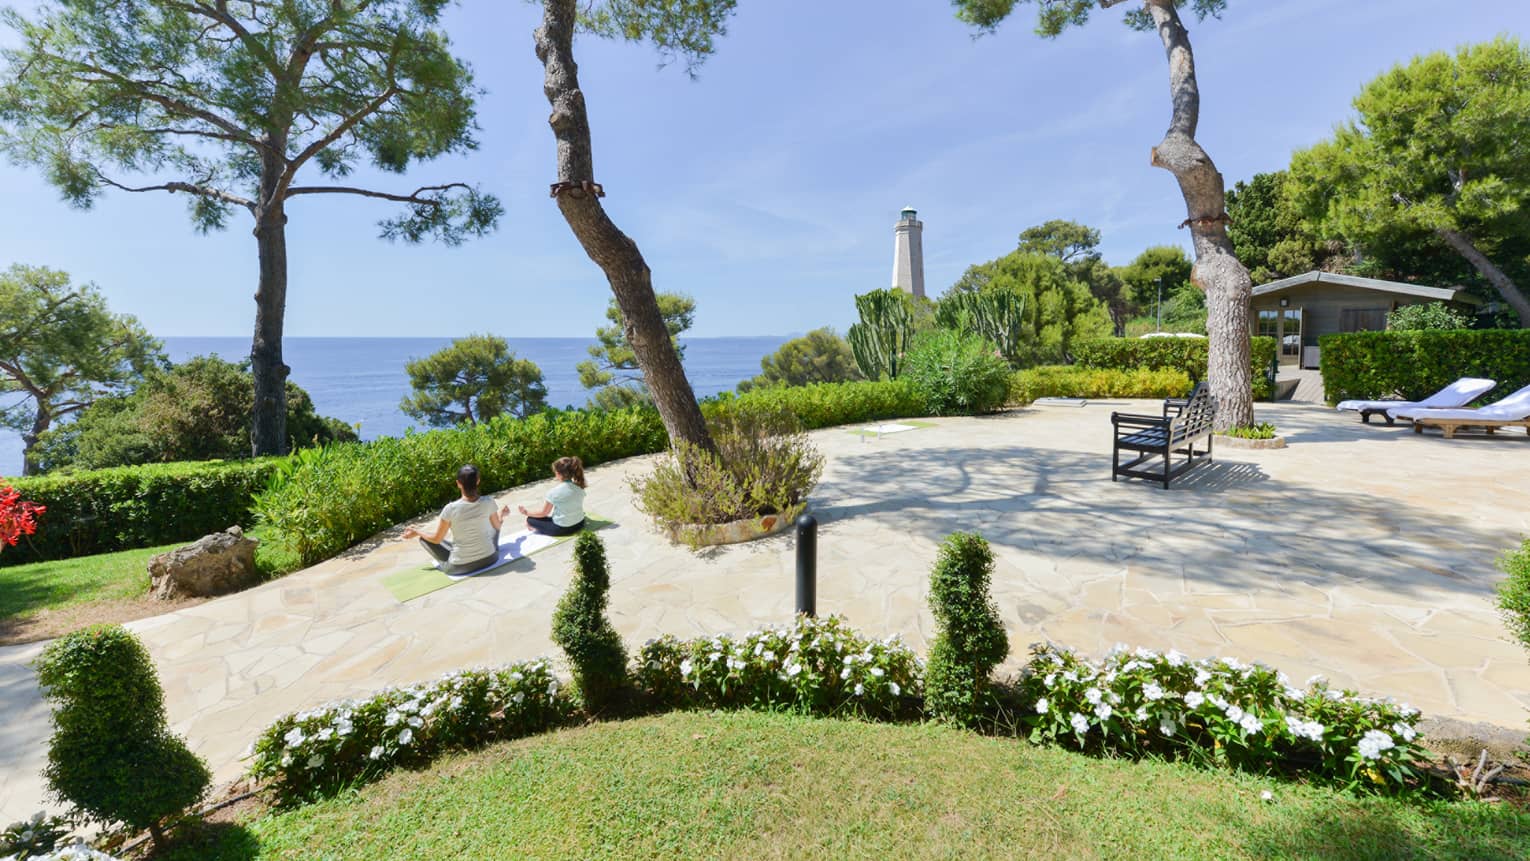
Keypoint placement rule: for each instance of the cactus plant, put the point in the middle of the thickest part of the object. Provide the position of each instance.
(883, 336)
(998, 316)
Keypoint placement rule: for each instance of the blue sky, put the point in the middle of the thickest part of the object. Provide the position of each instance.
(768, 187)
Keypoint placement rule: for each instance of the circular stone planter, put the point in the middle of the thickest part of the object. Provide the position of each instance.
(737, 531)
(1240, 442)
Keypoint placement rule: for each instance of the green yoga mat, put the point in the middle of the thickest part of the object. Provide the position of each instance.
(411, 584)
(891, 428)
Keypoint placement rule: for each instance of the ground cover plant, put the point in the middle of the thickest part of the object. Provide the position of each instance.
(1263, 430)
(773, 785)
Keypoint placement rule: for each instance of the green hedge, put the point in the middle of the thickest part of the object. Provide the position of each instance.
(1416, 364)
(1072, 381)
(104, 510)
(324, 500)
(1183, 354)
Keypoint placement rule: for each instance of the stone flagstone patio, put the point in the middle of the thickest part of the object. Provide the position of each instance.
(1364, 553)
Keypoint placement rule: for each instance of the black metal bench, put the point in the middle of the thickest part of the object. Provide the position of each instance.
(1185, 422)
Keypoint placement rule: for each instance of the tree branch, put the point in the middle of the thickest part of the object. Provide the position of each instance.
(189, 188)
(413, 197)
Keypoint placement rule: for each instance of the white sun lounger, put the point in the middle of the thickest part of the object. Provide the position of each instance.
(1512, 411)
(1457, 394)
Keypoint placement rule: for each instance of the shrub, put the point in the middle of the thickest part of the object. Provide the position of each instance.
(341, 743)
(138, 506)
(957, 374)
(763, 465)
(1427, 315)
(1263, 430)
(971, 640)
(1184, 354)
(813, 666)
(827, 404)
(111, 755)
(1219, 711)
(1072, 381)
(580, 628)
(1414, 365)
(1514, 592)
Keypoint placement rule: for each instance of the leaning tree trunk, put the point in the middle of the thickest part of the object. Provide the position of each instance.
(40, 423)
(578, 197)
(1217, 270)
(268, 433)
(1495, 276)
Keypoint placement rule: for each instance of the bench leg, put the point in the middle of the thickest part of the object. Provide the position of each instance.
(1168, 456)
(1115, 463)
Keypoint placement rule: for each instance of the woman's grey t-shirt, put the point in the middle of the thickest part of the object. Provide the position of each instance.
(473, 536)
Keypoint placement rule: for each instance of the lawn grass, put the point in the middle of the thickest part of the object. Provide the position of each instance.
(56, 584)
(745, 785)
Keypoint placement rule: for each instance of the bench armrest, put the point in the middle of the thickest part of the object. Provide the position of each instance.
(1137, 420)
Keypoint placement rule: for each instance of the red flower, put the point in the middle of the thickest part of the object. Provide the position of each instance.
(17, 516)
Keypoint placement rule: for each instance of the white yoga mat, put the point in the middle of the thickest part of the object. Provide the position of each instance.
(890, 428)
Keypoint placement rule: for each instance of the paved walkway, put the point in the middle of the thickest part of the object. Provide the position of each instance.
(1363, 553)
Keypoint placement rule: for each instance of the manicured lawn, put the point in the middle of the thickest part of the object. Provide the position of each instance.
(25, 589)
(693, 785)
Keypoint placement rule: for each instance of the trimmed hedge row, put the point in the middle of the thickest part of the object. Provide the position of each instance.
(104, 510)
(1416, 364)
(324, 500)
(1072, 381)
(1184, 354)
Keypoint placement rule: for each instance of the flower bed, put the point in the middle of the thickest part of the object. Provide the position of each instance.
(818, 666)
(1220, 710)
(354, 740)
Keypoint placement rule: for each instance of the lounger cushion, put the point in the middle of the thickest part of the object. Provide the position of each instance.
(1515, 407)
(1457, 394)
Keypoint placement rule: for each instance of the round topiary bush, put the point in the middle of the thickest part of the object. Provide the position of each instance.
(958, 374)
(579, 626)
(111, 756)
(971, 640)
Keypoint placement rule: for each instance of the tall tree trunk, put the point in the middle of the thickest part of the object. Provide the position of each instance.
(40, 423)
(1217, 270)
(268, 434)
(616, 254)
(1495, 276)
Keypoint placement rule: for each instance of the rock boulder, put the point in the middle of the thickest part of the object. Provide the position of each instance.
(216, 564)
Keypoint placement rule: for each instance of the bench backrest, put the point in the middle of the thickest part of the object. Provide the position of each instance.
(1197, 416)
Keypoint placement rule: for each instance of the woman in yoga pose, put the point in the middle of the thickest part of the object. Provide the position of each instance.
(563, 511)
(473, 522)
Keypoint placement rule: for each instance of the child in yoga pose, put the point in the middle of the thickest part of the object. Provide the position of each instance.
(563, 511)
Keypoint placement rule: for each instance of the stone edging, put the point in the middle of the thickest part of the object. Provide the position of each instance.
(737, 531)
(1240, 442)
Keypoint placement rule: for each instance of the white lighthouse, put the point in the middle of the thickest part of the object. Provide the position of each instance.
(908, 253)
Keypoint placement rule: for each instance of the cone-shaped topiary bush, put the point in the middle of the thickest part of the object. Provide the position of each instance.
(112, 756)
(580, 628)
(971, 641)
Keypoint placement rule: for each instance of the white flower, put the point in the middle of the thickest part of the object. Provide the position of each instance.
(1103, 711)
(343, 726)
(1152, 691)
(1266, 795)
(1312, 680)
(1167, 726)
(1407, 710)
(1232, 663)
(715, 656)
(685, 667)
(1093, 695)
(1313, 730)
(325, 734)
(896, 690)
(1080, 723)
(793, 670)
(392, 718)
(877, 671)
(1234, 713)
(377, 752)
(1201, 678)
(315, 761)
(1042, 705)
(1402, 729)
(515, 677)
(1070, 675)
(767, 656)
(1251, 723)
(415, 722)
(1142, 714)
(859, 689)
(294, 737)
(1293, 693)
(1194, 699)
(406, 736)
(1373, 743)
(844, 674)
(1174, 658)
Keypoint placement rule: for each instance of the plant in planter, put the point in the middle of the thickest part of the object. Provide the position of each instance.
(1263, 430)
(761, 473)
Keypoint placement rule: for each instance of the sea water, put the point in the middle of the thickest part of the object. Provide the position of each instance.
(361, 380)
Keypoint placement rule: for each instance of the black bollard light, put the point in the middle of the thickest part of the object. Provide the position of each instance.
(807, 565)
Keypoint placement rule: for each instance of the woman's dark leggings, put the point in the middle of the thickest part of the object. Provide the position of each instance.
(443, 554)
(546, 526)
